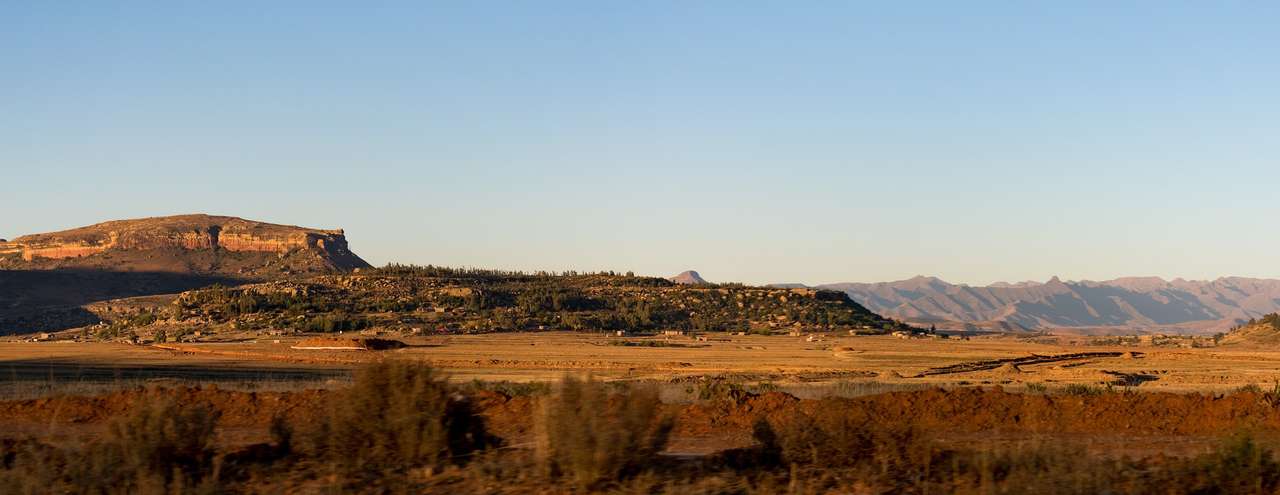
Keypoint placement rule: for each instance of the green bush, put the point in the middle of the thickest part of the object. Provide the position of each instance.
(1082, 390)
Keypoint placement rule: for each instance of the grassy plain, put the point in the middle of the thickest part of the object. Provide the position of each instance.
(792, 361)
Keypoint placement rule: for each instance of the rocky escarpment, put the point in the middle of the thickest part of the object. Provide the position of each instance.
(50, 281)
(184, 243)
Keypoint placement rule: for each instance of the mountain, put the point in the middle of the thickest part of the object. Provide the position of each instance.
(1124, 304)
(689, 277)
(48, 280)
(199, 244)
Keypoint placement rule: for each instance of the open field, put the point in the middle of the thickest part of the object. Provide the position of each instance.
(779, 360)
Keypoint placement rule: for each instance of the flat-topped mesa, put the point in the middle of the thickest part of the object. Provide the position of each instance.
(184, 232)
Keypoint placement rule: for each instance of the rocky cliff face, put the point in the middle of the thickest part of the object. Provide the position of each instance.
(179, 238)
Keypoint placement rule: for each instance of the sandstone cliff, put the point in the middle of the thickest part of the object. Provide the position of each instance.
(185, 243)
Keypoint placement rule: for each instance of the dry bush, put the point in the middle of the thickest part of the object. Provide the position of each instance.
(1239, 465)
(28, 467)
(160, 446)
(839, 437)
(1044, 468)
(832, 449)
(593, 437)
(165, 439)
(396, 417)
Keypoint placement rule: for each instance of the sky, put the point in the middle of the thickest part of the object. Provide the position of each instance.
(757, 142)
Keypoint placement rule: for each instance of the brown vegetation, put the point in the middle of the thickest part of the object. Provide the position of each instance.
(590, 436)
(400, 428)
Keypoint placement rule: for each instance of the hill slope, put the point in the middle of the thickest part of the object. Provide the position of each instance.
(1265, 331)
(444, 300)
(1126, 304)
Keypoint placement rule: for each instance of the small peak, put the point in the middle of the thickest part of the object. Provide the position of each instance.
(688, 277)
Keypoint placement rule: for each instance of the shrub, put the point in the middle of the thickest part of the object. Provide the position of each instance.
(1251, 388)
(507, 388)
(720, 389)
(28, 467)
(1082, 390)
(397, 416)
(1239, 465)
(592, 437)
(161, 446)
(162, 439)
(837, 437)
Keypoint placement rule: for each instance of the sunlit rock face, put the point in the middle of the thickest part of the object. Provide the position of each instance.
(184, 233)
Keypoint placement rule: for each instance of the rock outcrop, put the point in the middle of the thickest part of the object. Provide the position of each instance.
(47, 281)
(178, 238)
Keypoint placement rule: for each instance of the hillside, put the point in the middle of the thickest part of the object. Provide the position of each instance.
(46, 279)
(1126, 304)
(443, 300)
(1264, 331)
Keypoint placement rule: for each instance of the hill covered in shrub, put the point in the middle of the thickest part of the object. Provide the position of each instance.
(447, 300)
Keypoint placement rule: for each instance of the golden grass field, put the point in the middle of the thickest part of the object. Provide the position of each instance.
(780, 360)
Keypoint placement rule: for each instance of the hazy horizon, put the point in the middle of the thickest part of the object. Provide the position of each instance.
(812, 144)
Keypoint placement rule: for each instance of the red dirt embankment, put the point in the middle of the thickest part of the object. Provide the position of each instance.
(237, 408)
(945, 411)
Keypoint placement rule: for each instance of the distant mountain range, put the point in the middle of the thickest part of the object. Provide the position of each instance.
(1125, 304)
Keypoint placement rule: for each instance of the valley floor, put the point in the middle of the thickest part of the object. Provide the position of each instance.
(810, 368)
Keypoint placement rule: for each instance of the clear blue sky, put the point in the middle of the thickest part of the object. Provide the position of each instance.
(753, 141)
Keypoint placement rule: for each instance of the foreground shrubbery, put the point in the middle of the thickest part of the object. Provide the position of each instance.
(400, 428)
(589, 436)
(160, 447)
(395, 418)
